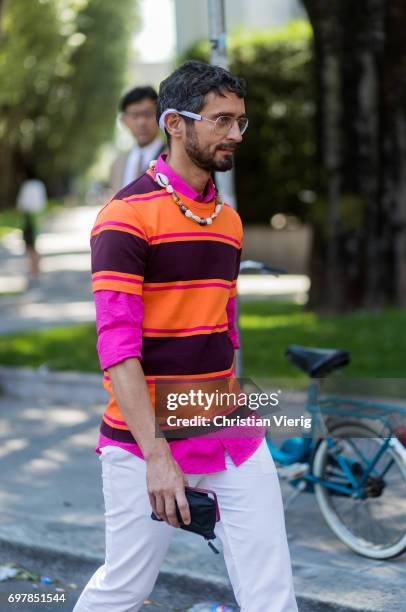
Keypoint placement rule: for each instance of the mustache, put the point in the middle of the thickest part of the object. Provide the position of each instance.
(226, 147)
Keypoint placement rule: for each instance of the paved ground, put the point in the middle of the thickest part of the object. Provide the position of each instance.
(70, 576)
(50, 496)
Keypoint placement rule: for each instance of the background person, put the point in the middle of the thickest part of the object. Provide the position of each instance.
(31, 200)
(138, 114)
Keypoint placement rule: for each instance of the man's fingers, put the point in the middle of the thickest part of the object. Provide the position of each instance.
(170, 510)
(160, 506)
(153, 504)
(183, 506)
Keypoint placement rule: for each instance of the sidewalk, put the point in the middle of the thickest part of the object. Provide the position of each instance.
(50, 494)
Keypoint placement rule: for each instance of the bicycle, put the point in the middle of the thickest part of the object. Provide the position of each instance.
(356, 471)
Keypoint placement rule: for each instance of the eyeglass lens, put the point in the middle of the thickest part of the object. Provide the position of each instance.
(224, 124)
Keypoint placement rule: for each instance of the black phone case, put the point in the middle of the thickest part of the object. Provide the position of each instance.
(204, 513)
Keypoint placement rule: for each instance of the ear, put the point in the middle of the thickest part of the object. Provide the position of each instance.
(174, 125)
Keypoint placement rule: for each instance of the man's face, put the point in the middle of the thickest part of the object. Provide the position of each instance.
(209, 146)
(140, 119)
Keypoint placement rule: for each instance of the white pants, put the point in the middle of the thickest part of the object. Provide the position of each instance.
(251, 529)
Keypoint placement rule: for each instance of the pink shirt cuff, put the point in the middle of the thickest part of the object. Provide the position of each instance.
(231, 309)
(119, 319)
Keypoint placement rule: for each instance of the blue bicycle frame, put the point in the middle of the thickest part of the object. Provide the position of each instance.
(302, 449)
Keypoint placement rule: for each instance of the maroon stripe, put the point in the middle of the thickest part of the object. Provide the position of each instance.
(197, 260)
(123, 435)
(118, 252)
(199, 354)
(143, 184)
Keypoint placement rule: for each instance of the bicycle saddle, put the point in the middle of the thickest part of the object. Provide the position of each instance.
(316, 362)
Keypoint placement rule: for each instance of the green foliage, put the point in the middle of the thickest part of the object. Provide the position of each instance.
(277, 159)
(62, 68)
(375, 341)
(61, 348)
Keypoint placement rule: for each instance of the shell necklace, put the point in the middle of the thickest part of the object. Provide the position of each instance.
(163, 181)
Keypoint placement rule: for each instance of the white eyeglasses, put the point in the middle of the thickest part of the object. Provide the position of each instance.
(222, 125)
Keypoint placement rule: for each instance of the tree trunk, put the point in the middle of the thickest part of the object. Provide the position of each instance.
(358, 259)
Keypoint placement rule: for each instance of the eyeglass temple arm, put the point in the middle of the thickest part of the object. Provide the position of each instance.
(174, 110)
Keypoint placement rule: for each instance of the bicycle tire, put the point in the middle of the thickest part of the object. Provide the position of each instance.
(325, 497)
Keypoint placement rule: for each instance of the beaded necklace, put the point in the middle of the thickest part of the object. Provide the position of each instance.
(163, 181)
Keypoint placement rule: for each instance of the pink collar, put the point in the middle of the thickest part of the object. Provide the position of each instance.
(180, 186)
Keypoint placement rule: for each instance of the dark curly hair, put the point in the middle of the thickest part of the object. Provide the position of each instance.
(188, 86)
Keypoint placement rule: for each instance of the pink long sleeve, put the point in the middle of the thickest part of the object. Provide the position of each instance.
(232, 321)
(118, 320)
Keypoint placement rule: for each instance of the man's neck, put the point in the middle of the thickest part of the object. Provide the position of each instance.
(194, 176)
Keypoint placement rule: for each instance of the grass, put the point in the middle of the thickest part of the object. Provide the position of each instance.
(60, 348)
(375, 340)
(11, 219)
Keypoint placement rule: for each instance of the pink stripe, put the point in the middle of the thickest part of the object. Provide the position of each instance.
(186, 286)
(194, 234)
(158, 381)
(161, 194)
(187, 329)
(119, 224)
(116, 278)
(114, 420)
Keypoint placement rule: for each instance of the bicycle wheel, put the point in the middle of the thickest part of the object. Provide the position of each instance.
(375, 525)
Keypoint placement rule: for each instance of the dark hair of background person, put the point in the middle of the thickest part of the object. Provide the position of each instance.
(136, 95)
(188, 86)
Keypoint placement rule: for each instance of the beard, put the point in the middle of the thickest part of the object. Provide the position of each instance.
(204, 158)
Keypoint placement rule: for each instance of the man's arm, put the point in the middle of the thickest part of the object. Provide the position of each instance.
(165, 479)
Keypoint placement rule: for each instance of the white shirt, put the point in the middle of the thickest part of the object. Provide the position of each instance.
(139, 158)
(32, 196)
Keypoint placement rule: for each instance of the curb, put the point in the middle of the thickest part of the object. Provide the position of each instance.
(217, 590)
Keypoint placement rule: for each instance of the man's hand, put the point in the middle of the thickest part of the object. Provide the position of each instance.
(166, 488)
(165, 480)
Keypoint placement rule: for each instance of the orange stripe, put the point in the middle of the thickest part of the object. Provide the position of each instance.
(113, 285)
(193, 239)
(113, 424)
(117, 229)
(114, 412)
(184, 309)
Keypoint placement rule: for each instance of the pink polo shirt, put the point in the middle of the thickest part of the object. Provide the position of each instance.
(119, 319)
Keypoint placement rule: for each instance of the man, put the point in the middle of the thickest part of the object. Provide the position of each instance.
(165, 258)
(138, 114)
